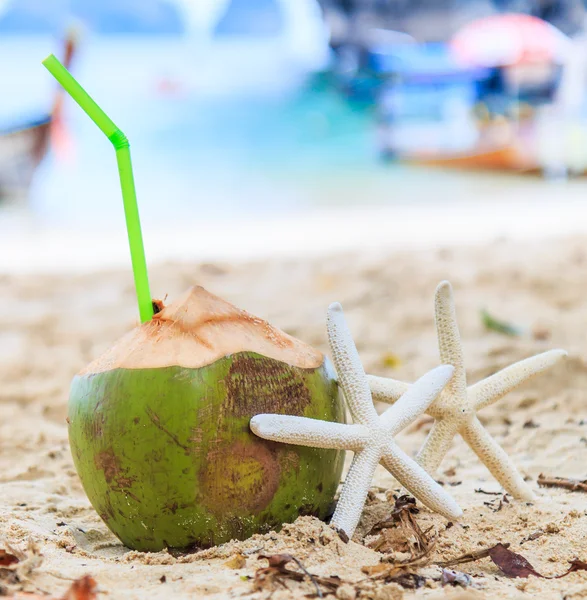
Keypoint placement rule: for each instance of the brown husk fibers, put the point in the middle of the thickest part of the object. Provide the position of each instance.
(52, 325)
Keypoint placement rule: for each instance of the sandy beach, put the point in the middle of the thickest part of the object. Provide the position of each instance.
(52, 325)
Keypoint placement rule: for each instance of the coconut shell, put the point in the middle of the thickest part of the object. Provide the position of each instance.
(159, 428)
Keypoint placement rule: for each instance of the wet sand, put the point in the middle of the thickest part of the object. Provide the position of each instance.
(51, 325)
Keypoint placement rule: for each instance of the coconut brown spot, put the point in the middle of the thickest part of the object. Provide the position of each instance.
(197, 330)
(108, 463)
(239, 479)
(115, 476)
(256, 385)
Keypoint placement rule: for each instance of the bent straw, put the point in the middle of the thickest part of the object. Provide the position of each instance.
(127, 184)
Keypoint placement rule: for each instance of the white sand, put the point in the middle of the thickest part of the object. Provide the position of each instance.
(51, 325)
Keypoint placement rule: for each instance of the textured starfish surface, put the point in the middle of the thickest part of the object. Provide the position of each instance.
(455, 409)
(370, 437)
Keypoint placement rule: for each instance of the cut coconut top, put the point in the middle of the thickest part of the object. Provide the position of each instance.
(197, 330)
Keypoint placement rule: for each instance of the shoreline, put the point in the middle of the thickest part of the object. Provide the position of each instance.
(28, 245)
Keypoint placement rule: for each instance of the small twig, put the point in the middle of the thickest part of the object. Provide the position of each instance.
(277, 570)
(312, 577)
(493, 508)
(480, 491)
(468, 557)
(574, 485)
(532, 536)
(502, 501)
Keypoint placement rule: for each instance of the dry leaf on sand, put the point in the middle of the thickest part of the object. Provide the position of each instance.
(84, 588)
(515, 565)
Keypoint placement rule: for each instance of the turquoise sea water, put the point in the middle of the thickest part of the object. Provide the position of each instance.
(210, 131)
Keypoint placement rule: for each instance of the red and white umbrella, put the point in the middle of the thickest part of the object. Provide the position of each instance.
(509, 39)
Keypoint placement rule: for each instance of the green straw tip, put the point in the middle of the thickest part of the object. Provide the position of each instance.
(49, 59)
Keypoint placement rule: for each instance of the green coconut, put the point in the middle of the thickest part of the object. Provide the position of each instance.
(159, 428)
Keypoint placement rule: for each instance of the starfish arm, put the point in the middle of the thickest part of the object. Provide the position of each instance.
(415, 479)
(436, 445)
(449, 339)
(494, 457)
(493, 388)
(385, 389)
(351, 375)
(354, 490)
(309, 432)
(416, 400)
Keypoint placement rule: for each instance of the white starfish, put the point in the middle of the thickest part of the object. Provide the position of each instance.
(455, 410)
(371, 435)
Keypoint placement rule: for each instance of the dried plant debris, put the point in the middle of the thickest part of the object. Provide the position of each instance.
(16, 564)
(395, 573)
(493, 324)
(497, 503)
(510, 563)
(467, 557)
(574, 485)
(481, 491)
(402, 533)
(277, 572)
(533, 536)
(7, 559)
(342, 535)
(515, 565)
(84, 588)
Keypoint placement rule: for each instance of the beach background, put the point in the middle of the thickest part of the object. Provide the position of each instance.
(260, 182)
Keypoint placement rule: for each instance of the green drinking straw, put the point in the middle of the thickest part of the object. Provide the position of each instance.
(129, 195)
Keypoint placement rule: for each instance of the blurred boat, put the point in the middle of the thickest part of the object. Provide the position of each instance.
(21, 151)
(426, 102)
(430, 108)
(23, 146)
(546, 143)
(523, 54)
(505, 158)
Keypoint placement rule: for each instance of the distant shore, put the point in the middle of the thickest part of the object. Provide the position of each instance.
(534, 211)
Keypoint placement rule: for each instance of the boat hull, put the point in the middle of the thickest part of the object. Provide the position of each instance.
(505, 158)
(21, 152)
